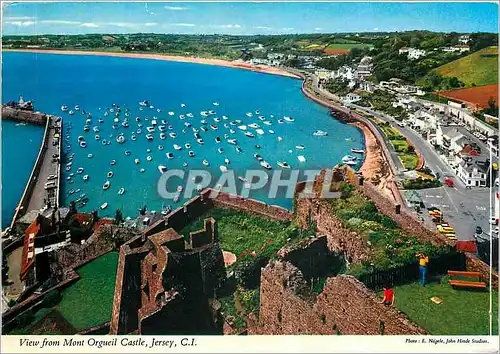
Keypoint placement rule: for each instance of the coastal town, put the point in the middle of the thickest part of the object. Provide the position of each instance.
(408, 245)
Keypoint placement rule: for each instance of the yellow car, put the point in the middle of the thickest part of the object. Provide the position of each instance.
(451, 236)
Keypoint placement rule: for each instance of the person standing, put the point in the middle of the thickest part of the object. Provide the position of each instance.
(423, 261)
(389, 296)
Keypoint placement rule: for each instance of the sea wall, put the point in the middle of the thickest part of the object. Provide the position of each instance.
(30, 185)
(345, 306)
(23, 116)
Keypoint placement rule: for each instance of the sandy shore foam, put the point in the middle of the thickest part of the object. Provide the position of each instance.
(218, 62)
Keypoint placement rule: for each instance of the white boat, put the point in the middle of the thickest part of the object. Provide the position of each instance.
(217, 140)
(104, 206)
(320, 133)
(242, 127)
(200, 141)
(83, 144)
(136, 161)
(163, 136)
(191, 153)
(171, 113)
(110, 174)
(213, 126)
(162, 169)
(127, 152)
(249, 114)
(267, 122)
(64, 108)
(86, 178)
(121, 191)
(113, 162)
(351, 163)
(280, 138)
(301, 158)
(161, 128)
(177, 147)
(215, 104)
(187, 146)
(254, 125)
(281, 121)
(150, 129)
(238, 149)
(271, 131)
(160, 147)
(288, 119)
(283, 164)
(80, 170)
(142, 170)
(133, 137)
(139, 131)
(190, 115)
(149, 158)
(90, 156)
(258, 157)
(232, 131)
(149, 137)
(217, 119)
(220, 150)
(169, 155)
(300, 147)
(265, 165)
(86, 128)
(173, 135)
(185, 164)
(227, 162)
(232, 141)
(358, 151)
(259, 131)
(120, 139)
(95, 129)
(349, 158)
(206, 163)
(223, 168)
(153, 122)
(106, 185)
(182, 116)
(250, 135)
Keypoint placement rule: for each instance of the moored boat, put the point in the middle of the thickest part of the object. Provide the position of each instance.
(106, 185)
(358, 151)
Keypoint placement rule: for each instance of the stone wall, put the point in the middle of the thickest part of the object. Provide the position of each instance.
(345, 306)
(474, 264)
(405, 219)
(23, 116)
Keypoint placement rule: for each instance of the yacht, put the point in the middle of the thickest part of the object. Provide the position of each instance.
(110, 174)
(182, 116)
(153, 122)
(150, 129)
(83, 144)
(200, 141)
(187, 146)
(320, 133)
(86, 128)
(104, 206)
(106, 185)
(187, 124)
(217, 140)
(259, 131)
(249, 114)
(300, 147)
(238, 149)
(226, 161)
(161, 128)
(113, 162)
(136, 161)
(133, 137)
(139, 131)
(162, 136)
(120, 139)
(80, 170)
(160, 147)
(265, 165)
(220, 150)
(232, 141)
(177, 147)
(281, 121)
(173, 135)
(95, 129)
(289, 119)
(242, 127)
(216, 119)
(205, 163)
(169, 155)
(171, 113)
(271, 131)
(127, 152)
(215, 104)
(86, 178)
(90, 156)
(283, 164)
(213, 126)
(149, 137)
(121, 191)
(358, 151)
(64, 108)
(258, 157)
(250, 135)
(254, 125)
(191, 153)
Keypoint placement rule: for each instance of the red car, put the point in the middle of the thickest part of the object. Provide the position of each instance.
(449, 182)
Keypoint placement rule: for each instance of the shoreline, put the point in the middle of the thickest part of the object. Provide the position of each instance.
(264, 69)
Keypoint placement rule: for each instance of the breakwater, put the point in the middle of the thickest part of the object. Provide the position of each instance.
(34, 192)
(23, 116)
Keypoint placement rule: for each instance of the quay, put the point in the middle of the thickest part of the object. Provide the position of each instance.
(39, 195)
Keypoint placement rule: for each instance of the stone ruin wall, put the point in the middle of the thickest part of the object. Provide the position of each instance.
(345, 305)
(474, 264)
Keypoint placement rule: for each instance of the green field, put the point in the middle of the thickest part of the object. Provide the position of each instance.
(479, 68)
(462, 312)
(89, 301)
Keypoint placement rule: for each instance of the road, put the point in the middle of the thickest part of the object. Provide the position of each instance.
(48, 168)
(464, 209)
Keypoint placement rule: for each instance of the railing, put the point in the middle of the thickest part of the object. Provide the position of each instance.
(410, 273)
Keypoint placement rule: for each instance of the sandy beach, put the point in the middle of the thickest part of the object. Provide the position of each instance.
(218, 62)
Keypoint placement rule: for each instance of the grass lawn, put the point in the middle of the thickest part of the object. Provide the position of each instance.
(462, 312)
(89, 301)
(479, 68)
(409, 160)
(240, 231)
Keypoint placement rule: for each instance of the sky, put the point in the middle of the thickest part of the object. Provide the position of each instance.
(242, 18)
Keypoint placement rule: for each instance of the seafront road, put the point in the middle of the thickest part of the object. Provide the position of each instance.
(464, 209)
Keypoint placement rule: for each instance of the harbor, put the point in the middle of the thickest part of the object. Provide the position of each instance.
(42, 189)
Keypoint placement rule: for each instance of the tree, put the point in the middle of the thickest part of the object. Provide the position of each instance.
(118, 216)
(492, 103)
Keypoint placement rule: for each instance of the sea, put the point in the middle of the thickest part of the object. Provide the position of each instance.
(103, 86)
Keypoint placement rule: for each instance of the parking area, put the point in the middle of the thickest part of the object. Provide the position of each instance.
(464, 210)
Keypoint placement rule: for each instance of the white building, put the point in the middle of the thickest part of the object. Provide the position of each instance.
(324, 74)
(412, 53)
(367, 86)
(346, 73)
(474, 172)
(365, 67)
(351, 98)
(464, 39)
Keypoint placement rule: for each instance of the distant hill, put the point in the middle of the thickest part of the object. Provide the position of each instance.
(479, 68)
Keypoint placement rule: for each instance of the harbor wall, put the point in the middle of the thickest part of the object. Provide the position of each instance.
(23, 116)
(30, 185)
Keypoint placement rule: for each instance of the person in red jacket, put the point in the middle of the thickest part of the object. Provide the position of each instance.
(389, 296)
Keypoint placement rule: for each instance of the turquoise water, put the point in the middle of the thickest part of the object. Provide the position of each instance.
(94, 82)
(20, 146)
